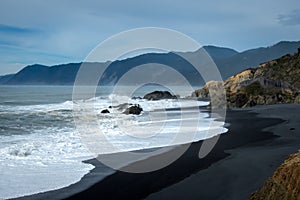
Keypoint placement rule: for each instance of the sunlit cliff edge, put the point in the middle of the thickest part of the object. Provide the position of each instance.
(284, 184)
(273, 82)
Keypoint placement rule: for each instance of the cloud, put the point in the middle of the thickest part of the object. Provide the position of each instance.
(57, 31)
(16, 30)
(290, 19)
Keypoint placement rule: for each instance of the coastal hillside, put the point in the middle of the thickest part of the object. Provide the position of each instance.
(228, 61)
(284, 184)
(276, 81)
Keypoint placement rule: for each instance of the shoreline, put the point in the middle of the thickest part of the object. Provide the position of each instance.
(177, 179)
(248, 166)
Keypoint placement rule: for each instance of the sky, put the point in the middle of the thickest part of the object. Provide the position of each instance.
(63, 31)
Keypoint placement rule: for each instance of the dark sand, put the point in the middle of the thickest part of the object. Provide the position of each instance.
(255, 145)
(248, 166)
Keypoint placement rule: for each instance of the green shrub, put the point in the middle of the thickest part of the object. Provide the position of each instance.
(254, 89)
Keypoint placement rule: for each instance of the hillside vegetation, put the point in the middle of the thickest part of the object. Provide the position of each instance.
(276, 81)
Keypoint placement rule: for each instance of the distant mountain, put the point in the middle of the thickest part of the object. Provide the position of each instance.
(251, 58)
(5, 78)
(43, 75)
(220, 52)
(66, 74)
(228, 61)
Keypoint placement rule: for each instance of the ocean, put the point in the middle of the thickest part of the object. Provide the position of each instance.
(41, 148)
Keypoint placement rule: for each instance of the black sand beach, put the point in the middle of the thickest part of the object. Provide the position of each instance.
(258, 141)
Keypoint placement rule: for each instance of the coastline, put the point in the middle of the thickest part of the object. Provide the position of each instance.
(226, 173)
(248, 166)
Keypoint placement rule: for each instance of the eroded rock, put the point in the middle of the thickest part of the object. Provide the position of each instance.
(158, 95)
(134, 110)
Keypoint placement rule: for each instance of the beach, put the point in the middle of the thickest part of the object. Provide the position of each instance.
(258, 141)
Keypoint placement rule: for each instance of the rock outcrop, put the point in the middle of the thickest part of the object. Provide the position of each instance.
(214, 90)
(157, 95)
(284, 184)
(134, 110)
(273, 82)
(121, 107)
(105, 111)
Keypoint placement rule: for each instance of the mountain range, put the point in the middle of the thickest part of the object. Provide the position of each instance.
(228, 61)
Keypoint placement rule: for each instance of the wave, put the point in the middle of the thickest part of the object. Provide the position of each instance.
(54, 148)
(67, 105)
(28, 161)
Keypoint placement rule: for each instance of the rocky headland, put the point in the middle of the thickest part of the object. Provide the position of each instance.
(272, 82)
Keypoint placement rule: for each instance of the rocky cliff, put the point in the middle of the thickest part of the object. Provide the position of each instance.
(277, 81)
(284, 184)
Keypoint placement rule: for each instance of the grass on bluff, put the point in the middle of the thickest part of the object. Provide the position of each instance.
(254, 89)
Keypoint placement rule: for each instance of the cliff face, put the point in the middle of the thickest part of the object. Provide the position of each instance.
(277, 81)
(284, 184)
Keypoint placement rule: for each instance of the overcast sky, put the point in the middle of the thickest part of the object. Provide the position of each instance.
(57, 31)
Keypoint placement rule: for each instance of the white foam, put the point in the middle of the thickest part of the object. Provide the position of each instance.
(48, 156)
(167, 104)
(54, 154)
(67, 105)
(129, 132)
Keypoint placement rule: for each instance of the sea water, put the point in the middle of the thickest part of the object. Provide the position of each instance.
(41, 149)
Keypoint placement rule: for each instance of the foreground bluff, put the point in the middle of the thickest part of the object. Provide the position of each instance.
(285, 182)
(277, 81)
